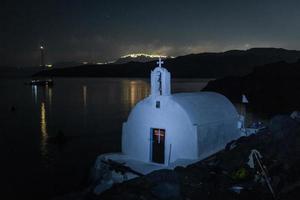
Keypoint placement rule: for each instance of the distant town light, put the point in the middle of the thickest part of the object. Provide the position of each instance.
(49, 66)
(135, 55)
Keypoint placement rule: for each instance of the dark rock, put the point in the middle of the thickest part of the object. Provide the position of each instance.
(281, 125)
(163, 175)
(271, 89)
(166, 184)
(166, 190)
(214, 177)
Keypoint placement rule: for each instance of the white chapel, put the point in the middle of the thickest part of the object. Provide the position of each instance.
(165, 127)
(165, 130)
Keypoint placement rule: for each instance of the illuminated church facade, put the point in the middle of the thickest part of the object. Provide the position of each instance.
(166, 127)
(167, 130)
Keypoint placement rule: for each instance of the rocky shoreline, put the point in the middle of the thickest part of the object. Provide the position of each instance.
(227, 174)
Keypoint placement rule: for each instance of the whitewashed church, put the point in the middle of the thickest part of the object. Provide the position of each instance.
(165, 130)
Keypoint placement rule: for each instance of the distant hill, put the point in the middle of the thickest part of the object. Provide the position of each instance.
(203, 65)
(64, 64)
(14, 72)
(271, 89)
(136, 58)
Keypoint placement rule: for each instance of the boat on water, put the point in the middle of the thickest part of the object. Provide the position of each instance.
(41, 82)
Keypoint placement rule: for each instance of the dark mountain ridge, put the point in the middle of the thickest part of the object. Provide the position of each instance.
(203, 65)
(137, 58)
(272, 88)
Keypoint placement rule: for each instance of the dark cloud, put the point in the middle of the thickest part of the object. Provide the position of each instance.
(103, 30)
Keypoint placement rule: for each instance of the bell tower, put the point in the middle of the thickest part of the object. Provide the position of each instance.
(160, 81)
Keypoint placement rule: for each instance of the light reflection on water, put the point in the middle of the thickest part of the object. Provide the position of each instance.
(87, 105)
(49, 94)
(44, 131)
(82, 106)
(134, 91)
(96, 105)
(84, 97)
(45, 104)
(90, 113)
(84, 94)
(34, 93)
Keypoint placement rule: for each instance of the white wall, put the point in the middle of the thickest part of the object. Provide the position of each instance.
(214, 136)
(171, 117)
(189, 140)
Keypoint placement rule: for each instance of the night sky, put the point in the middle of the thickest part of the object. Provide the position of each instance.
(103, 30)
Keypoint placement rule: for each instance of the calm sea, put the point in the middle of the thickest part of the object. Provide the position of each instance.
(88, 111)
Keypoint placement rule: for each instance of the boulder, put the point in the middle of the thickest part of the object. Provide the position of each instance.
(282, 125)
(166, 184)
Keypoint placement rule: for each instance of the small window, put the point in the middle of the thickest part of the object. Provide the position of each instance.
(157, 104)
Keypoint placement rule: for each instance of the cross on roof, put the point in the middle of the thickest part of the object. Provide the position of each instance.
(160, 62)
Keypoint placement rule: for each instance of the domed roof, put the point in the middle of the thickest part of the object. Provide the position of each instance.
(201, 107)
(205, 107)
